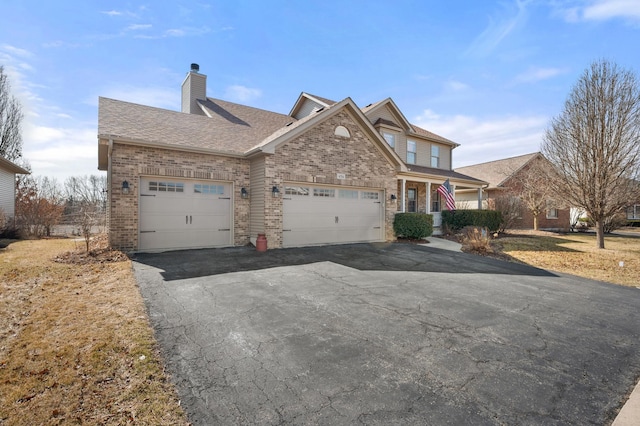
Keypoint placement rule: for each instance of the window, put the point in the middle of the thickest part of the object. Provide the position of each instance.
(296, 190)
(552, 213)
(435, 202)
(412, 200)
(348, 193)
(633, 212)
(324, 192)
(435, 156)
(166, 186)
(342, 131)
(411, 152)
(390, 138)
(203, 188)
(369, 195)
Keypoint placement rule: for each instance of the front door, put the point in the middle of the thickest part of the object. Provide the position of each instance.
(412, 200)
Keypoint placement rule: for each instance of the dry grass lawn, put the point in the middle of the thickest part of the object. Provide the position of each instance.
(576, 254)
(76, 346)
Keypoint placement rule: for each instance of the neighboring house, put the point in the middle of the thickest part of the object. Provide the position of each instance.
(8, 171)
(218, 173)
(633, 215)
(507, 177)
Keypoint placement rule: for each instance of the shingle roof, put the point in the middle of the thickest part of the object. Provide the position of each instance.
(324, 100)
(430, 135)
(496, 172)
(442, 172)
(231, 127)
(12, 167)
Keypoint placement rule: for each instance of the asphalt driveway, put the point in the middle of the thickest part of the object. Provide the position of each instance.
(388, 334)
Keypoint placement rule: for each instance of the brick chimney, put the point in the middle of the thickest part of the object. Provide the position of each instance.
(194, 87)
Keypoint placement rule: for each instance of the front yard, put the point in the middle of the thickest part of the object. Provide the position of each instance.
(618, 263)
(76, 346)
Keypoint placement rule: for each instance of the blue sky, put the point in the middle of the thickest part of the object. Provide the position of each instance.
(486, 74)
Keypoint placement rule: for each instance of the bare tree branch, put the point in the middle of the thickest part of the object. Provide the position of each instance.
(595, 143)
(10, 121)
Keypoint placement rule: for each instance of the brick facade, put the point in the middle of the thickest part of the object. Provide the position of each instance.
(317, 156)
(130, 163)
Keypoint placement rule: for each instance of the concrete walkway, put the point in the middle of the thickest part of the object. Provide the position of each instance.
(443, 244)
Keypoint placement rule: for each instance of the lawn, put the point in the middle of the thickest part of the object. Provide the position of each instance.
(76, 344)
(576, 253)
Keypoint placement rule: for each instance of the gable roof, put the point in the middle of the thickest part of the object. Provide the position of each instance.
(305, 97)
(498, 171)
(12, 167)
(227, 127)
(293, 129)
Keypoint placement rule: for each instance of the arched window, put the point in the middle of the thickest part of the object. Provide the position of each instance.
(342, 131)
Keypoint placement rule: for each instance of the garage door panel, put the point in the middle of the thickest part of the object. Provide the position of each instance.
(348, 216)
(193, 214)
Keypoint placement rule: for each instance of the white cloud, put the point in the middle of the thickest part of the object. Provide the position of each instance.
(242, 94)
(112, 13)
(16, 51)
(498, 29)
(486, 139)
(59, 152)
(137, 27)
(601, 10)
(535, 74)
(457, 86)
(608, 9)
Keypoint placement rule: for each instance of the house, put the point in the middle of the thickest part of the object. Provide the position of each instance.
(522, 178)
(8, 171)
(219, 174)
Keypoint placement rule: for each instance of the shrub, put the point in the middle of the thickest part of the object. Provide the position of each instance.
(413, 225)
(476, 240)
(456, 220)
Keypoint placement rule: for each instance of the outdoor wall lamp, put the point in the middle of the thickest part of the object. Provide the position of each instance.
(125, 187)
(244, 193)
(393, 197)
(275, 192)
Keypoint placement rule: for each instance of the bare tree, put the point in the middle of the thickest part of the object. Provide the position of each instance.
(10, 120)
(510, 206)
(39, 205)
(86, 200)
(594, 143)
(533, 185)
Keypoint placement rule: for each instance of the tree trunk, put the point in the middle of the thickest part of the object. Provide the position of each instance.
(600, 234)
(535, 222)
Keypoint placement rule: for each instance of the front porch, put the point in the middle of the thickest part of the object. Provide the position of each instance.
(418, 194)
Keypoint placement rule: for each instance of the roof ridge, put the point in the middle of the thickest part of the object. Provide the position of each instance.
(501, 159)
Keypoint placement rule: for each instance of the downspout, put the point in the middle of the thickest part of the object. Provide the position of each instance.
(109, 187)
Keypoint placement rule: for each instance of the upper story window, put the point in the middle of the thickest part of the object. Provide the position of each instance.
(411, 152)
(390, 138)
(435, 156)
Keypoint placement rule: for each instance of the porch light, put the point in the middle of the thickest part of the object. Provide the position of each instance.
(125, 187)
(393, 197)
(275, 192)
(244, 193)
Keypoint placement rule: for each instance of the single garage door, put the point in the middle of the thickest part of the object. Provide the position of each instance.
(326, 215)
(178, 214)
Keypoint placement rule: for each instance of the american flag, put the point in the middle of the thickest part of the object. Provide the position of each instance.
(445, 191)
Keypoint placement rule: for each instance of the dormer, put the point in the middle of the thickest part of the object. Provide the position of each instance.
(307, 104)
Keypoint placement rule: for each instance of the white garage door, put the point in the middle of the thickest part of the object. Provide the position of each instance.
(177, 214)
(324, 215)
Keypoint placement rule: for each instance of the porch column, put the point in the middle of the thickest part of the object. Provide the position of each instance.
(428, 197)
(404, 185)
(453, 192)
(479, 198)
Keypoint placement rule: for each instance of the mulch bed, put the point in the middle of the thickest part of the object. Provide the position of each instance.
(99, 252)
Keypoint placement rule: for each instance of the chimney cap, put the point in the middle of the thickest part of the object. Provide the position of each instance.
(195, 67)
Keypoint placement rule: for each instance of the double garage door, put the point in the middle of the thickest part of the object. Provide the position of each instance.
(316, 215)
(176, 214)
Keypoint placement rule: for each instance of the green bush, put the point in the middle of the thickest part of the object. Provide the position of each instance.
(413, 225)
(458, 219)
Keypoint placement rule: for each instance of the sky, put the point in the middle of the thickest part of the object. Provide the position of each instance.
(487, 74)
